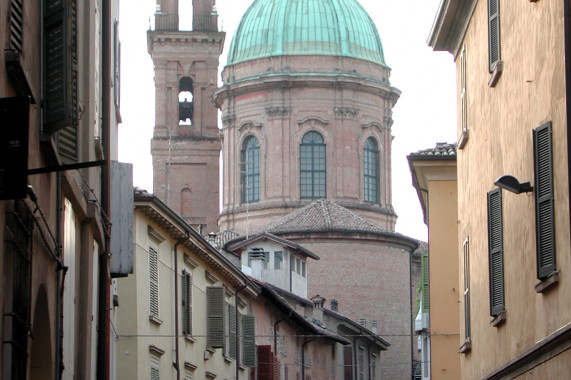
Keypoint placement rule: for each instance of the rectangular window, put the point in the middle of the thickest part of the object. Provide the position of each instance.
(303, 268)
(544, 207)
(215, 316)
(493, 33)
(496, 253)
(155, 367)
(16, 25)
(463, 102)
(232, 331)
(249, 341)
(467, 322)
(373, 367)
(186, 303)
(278, 259)
(425, 283)
(361, 363)
(348, 363)
(153, 281)
(266, 259)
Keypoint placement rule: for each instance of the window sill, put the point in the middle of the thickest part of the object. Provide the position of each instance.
(499, 319)
(189, 339)
(155, 320)
(228, 359)
(242, 367)
(548, 283)
(463, 139)
(466, 347)
(496, 74)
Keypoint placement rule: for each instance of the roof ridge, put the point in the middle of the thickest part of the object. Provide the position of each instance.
(325, 212)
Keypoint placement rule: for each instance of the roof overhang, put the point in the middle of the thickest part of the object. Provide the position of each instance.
(450, 25)
(237, 244)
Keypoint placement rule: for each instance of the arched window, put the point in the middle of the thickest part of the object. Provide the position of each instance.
(186, 202)
(371, 170)
(250, 170)
(312, 166)
(185, 101)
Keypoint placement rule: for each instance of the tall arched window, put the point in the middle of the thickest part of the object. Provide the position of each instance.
(250, 170)
(312, 166)
(371, 170)
(185, 101)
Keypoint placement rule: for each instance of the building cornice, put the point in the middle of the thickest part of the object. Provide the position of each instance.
(450, 25)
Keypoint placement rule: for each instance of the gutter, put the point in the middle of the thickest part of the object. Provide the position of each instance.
(567, 38)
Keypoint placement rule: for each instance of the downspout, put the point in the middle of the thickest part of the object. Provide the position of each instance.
(276, 330)
(104, 343)
(303, 356)
(238, 331)
(411, 309)
(567, 38)
(369, 360)
(177, 349)
(355, 364)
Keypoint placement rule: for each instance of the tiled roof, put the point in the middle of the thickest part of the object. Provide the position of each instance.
(422, 248)
(323, 216)
(441, 150)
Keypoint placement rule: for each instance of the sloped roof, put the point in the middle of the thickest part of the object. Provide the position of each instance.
(440, 151)
(239, 243)
(323, 216)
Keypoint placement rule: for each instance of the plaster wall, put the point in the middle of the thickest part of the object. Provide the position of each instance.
(529, 92)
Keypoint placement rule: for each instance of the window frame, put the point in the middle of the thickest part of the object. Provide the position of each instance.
(467, 306)
(186, 296)
(494, 35)
(312, 178)
(250, 169)
(496, 253)
(371, 183)
(154, 302)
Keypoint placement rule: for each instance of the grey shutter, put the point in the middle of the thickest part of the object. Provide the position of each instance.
(232, 331)
(425, 283)
(467, 320)
(249, 331)
(493, 32)
(155, 373)
(153, 282)
(544, 207)
(215, 316)
(496, 255)
(16, 25)
(186, 303)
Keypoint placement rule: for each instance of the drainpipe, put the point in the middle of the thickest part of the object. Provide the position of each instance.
(238, 331)
(567, 23)
(410, 305)
(276, 330)
(176, 362)
(303, 356)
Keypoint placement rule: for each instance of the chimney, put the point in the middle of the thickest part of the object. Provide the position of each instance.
(256, 257)
(318, 302)
(334, 305)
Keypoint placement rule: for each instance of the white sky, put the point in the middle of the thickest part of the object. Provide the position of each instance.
(425, 113)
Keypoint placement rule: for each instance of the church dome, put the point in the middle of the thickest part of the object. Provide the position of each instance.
(306, 27)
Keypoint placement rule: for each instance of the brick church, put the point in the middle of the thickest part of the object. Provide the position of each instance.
(306, 104)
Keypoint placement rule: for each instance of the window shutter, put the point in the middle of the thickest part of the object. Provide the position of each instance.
(154, 281)
(348, 362)
(544, 208)
(495, 244)
(463, 97)
(186, 303)
(265, 363)
(154, 373)
(467, 321)
(425, 283)
(232, 331)
(215, 316)
(16, 25)
(248, 331)
(60, 46)
(493, 32)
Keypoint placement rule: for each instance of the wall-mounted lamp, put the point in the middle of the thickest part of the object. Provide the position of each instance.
(512, 184)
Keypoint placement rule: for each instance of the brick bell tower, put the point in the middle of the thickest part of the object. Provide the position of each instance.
(185, 144)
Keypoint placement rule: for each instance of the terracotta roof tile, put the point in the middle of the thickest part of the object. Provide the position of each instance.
(441, 149)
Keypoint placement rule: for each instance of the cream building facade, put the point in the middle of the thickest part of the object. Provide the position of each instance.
(513, 162)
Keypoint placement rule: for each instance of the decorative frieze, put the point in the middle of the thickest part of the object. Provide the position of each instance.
(388, 122)
(346, 112)
(228, 120)
(277, 112)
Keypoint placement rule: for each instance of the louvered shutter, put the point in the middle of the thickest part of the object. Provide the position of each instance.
(249, 342)
(154, 373)
(544, 207)
(493, 32)
(425, 284)
(276, 367)
(348, 362)
(153, 282)
(215, 316)
(186, 303)
(60, 70)
(16, 25)
(467, 321)
(232, 331)
(265, 363)
(496, 255)
(463, 95)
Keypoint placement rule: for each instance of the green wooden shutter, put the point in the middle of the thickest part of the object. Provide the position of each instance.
(493, 32)
(544, 207)
(153, 282)
(232, 331)
(186, 303)
(496, 254)
(425, 283)
(249, 341)
(215, 316)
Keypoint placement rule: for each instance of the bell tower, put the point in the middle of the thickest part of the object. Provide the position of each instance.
(185, 144)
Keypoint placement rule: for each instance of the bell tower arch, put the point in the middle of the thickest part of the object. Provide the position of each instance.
(185, 144)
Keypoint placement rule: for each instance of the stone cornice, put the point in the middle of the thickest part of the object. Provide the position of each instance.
(450, 25)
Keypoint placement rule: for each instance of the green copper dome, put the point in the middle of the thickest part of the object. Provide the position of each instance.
(306, 27)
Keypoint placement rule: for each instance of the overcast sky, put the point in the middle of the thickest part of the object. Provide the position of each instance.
(425, 113)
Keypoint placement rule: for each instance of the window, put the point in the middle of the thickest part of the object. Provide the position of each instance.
(371, 170)
(496, 254)
(232, 331)
(153, 281)
(278, 259)
(185, 101)
(467, 323)
(312, 166)
(155, 367)
(348, 363)
(186, 303)
(249, 342)
(425, 274)
(215, 316)
(464, 134)
(361, 363)
(250, 170)
(493, 33)
(16, 25)
(266, 259)
(544, 208)
(303, 268)
(373, 367)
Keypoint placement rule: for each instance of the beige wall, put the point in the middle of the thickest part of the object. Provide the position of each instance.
(530, 92)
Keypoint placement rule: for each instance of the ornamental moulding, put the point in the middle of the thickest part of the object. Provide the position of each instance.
(312, 121)
(277, 112)
(345, 112)
(228, 120)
